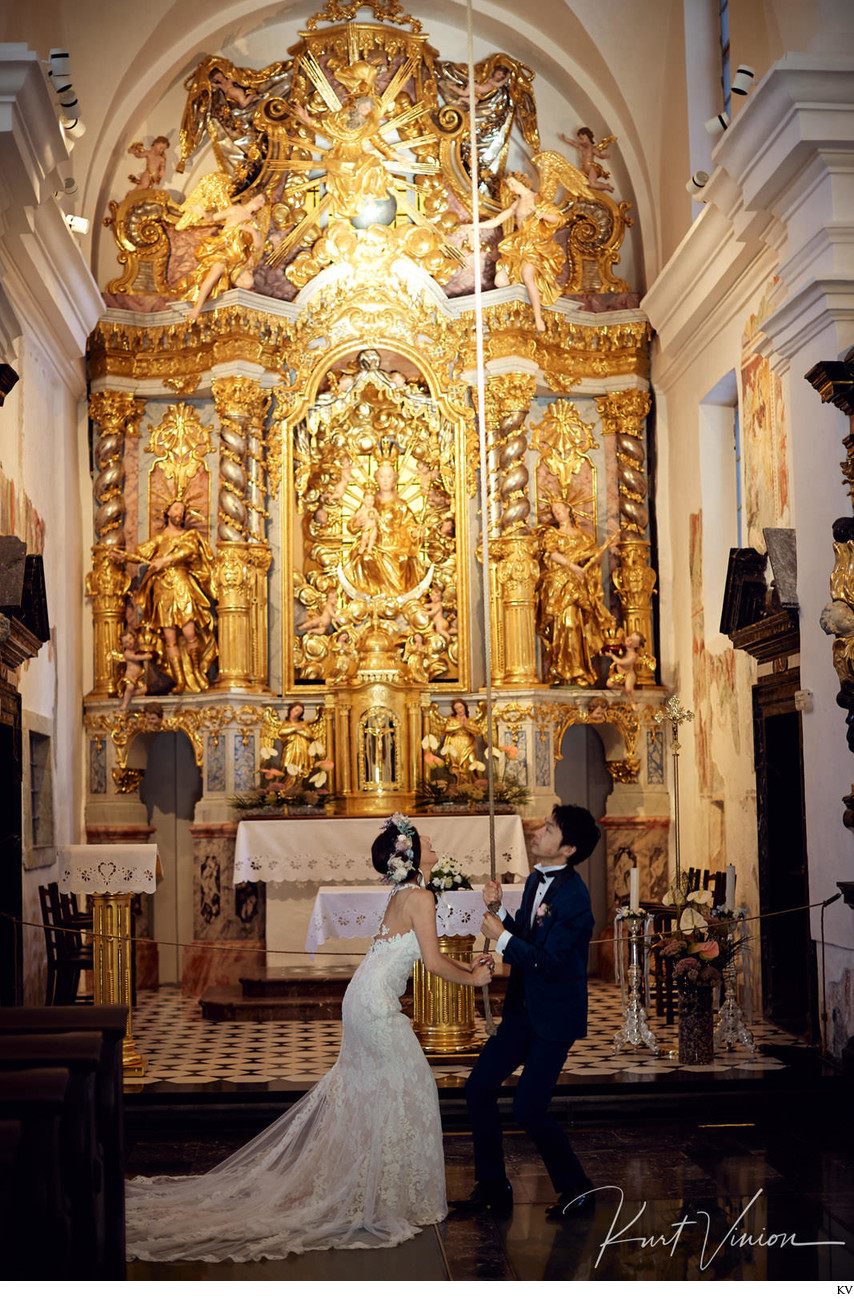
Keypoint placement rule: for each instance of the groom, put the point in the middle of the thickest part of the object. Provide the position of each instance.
(545, 1010)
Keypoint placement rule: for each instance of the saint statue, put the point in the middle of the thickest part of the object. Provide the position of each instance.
(385, 560)
(175, 598)
(227, 258)
(460, 740)
(573, 620)
(296, 740)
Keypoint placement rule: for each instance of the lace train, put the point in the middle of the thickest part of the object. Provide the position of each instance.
(357, 1163)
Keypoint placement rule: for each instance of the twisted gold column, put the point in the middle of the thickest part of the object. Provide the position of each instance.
(623, 415)
(514, 569)
(116, 414)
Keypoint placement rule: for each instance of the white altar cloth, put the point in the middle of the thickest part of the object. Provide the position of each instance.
(108, 868)
(353, 912)
(327, 850)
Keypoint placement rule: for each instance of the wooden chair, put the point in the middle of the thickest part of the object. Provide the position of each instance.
(661, 979)
(67, 955)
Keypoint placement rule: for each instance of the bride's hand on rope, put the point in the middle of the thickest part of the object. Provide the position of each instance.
(481, 974)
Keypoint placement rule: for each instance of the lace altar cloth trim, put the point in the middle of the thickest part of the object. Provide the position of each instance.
(108, 868)
(357, 913)
(338, 849)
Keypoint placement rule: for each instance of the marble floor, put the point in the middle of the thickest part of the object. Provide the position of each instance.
(180, 1047)
(753, 1155)
(745, 1195)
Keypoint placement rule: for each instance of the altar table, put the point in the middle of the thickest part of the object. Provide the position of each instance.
(353, 912)
(327, 850)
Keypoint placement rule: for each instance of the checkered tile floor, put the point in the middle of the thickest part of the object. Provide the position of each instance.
(179, 1046)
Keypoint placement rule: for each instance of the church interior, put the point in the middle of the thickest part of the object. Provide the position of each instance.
(444, 411)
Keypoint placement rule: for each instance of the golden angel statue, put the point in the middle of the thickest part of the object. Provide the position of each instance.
(175, 598)
(573, 620)
(131, 661)
(227, 258)
(529, 255)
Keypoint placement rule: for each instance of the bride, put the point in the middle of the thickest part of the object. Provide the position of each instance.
(357, 1163)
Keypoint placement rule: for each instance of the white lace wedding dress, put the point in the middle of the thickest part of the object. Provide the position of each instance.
(356, 1164)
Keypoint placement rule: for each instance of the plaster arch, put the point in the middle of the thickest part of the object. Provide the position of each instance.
(558, 49)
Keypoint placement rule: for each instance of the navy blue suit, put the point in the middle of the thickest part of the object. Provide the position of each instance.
(545, 1010)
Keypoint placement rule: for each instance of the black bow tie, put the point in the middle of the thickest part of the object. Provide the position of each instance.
(546, 876)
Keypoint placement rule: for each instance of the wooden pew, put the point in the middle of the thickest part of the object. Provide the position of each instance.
(110, 1022)
(82, 1155)
(36, 1236)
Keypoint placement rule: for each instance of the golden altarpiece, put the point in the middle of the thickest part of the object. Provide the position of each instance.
(284, 408)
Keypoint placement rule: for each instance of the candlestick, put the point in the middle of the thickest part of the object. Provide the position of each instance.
(635, 1031)
(634, 889)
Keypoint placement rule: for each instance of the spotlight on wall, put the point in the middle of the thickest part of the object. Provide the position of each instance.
(742, 82)
(696, 185)
(59, 72)
(77, 225)
(717, 125)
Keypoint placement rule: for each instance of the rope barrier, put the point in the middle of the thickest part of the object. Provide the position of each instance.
(286, 951)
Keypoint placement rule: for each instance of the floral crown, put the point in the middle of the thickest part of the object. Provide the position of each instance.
(401, 860)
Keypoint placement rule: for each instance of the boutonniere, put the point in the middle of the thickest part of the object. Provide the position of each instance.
(543, 912)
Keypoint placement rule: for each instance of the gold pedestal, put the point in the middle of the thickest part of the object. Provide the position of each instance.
(112, 957)
(443, 1016)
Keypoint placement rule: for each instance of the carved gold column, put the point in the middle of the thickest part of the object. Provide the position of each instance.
(112, 962)
(623, 415)
(241, 405)
(116, 414)
(233, 579)
(514, 568)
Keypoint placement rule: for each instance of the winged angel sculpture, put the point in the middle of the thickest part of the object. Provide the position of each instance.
(529, 254)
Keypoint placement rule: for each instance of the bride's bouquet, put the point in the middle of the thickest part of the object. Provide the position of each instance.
(448, 874)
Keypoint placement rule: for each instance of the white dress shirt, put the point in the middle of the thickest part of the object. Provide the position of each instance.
(547, 873)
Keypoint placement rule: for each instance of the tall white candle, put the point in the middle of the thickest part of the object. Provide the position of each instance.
(730, 887)
(634, 890)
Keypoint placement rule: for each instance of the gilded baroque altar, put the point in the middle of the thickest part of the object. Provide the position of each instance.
(286, 445)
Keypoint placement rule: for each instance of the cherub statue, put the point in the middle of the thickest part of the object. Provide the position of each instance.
(437, 613)
(228, 258)
(366, 522)
(529, 255)
(623, 674)
(133, 661)
(323, 620)
(588, 154)
(151, 177)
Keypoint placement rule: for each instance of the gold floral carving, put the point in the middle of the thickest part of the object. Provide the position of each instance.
(564, 442)
(624, 771)
(179, 444)
(561, 716)
(127, 780)
(124, 727)
(139, 224)
(384, 11)
(596, 232)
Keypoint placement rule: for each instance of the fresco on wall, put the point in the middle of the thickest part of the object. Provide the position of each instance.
(764, 441)
(715, 697)
(19, 517)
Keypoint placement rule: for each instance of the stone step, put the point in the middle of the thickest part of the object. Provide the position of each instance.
(301, 994)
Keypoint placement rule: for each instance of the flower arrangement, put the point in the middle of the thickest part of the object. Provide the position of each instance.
(290, 785)
(543, 913)
(400, 861)
(705, 941)
(448, 874)
(441, 785)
